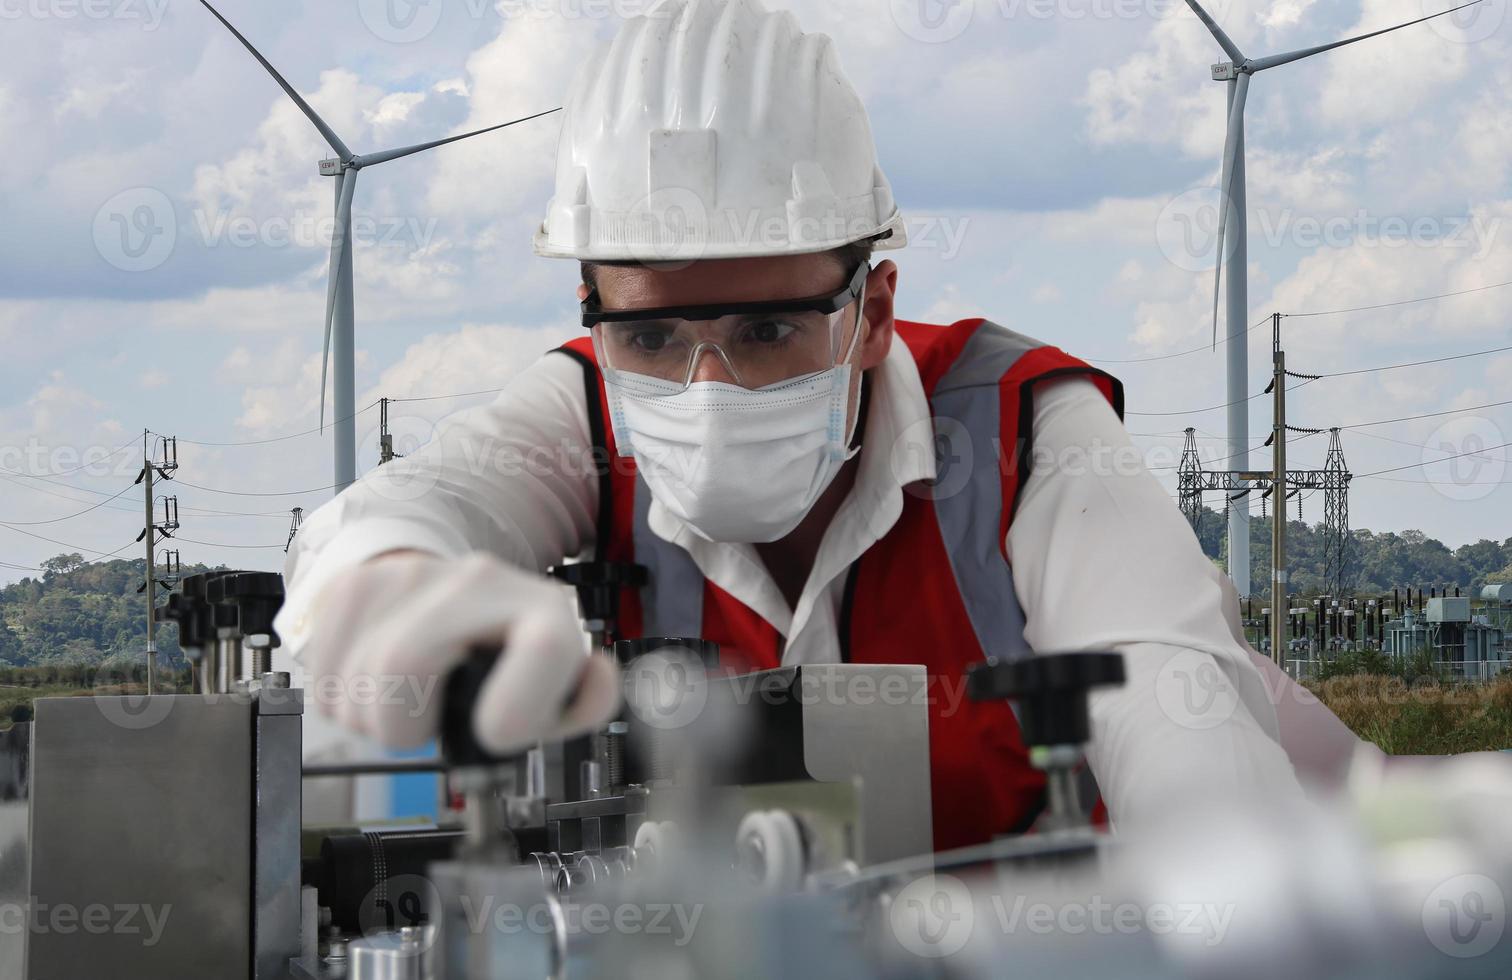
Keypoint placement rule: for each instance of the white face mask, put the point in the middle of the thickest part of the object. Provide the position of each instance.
(739, 466)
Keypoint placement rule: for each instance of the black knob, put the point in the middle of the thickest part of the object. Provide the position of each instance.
(598, 585)
(255, 598)
(1051, 690)
(459, 743)
(707, 651)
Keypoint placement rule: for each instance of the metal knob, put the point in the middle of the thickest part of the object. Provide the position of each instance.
(1051, 690)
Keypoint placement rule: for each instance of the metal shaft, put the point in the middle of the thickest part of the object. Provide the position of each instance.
(1238, 363)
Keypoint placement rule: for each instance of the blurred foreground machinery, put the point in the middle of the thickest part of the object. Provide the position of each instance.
(753, 825)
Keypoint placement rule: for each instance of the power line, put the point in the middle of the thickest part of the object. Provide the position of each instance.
(283, 438)
(59, 520)
(1402, 302)
(217, 544)
(1408, 364)
(76, 547)
(1214, 408)
(459, 394)
(82, 466)
(1167, 357)
(255, 493)
(1443, 459)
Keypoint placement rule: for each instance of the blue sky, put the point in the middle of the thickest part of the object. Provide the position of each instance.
(166, 231)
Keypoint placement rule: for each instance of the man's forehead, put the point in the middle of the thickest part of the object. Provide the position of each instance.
(627, 287)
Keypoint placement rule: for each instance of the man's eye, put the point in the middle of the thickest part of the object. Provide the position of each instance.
(648, 341)
(769, 331)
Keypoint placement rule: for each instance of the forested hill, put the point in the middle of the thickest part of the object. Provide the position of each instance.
(82, 613)
(91, 613)
(1376, 562)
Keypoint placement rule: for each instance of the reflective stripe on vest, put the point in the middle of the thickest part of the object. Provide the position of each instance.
(672, 599)
(968, 497)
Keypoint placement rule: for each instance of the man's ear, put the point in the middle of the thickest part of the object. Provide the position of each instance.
(582, 292)
(881, 288)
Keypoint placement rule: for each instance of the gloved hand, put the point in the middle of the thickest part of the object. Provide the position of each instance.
(385, 635)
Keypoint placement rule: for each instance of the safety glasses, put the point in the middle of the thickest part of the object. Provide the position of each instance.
(759, 344)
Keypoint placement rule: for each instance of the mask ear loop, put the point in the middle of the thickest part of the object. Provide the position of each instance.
(850, 432)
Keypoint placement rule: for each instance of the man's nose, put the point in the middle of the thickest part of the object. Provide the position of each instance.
(709, 366)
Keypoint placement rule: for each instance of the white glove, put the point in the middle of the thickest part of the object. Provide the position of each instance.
(385, 634)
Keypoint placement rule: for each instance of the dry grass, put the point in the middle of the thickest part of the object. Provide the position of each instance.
(1426, 717)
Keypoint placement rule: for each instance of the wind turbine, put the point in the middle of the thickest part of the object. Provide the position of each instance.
(1237, 74)
(339, 311)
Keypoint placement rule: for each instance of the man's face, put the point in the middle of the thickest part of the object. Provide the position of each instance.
(630, 287)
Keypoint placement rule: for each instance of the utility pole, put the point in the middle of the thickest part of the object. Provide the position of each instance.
(164, 469)
(386, 452)
(1279, 599)
(1279, 482)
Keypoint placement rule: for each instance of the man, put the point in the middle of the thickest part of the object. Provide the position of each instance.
(807, 479)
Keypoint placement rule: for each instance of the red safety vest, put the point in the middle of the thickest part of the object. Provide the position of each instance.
(937, 587)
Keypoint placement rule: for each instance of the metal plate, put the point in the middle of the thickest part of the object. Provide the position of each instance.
(145, 812)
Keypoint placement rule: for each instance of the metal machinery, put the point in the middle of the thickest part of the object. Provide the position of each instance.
(774, 824)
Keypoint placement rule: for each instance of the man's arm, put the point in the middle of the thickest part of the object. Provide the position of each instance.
(432, 557)
(513, 479)
(1103, 560)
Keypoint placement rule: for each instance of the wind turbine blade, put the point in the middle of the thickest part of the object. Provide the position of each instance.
(1228, 46)
(1225, 198)
(340, 244)
(1260, 64)
(320, 124)
(370, 159)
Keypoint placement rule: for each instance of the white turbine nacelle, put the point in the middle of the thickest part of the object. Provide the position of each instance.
(1224, 72)
(330, 168)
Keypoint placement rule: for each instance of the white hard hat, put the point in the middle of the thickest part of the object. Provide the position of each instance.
(715, 129)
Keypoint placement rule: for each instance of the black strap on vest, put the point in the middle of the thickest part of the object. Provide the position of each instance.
(602, 458)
